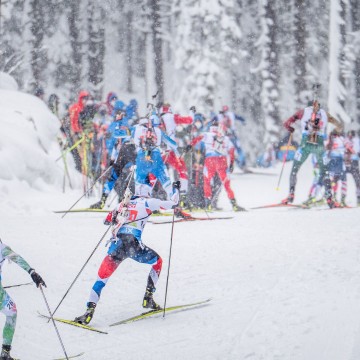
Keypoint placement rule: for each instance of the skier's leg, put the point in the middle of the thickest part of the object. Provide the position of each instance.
(116, 254)
(108, 186)
(301, 155)
(160, 172)
(356, 174)
(221, 170)
(8, 308)
(210, 165)
(325, 177)
(146, 255)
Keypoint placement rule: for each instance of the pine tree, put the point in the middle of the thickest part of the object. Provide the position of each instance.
(355, 31)
(300, 52)
(76, 60)
(337, 91)
(269, 70)
(38, 51)
(204, 49)
(96, 48)
(156, 29)
(12, 39)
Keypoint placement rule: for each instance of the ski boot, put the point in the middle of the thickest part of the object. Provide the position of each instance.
(332, 204)
(180, 213)
(343, 203)
(149, 302)
(5, 353)
(235, 206)
(208, 206)
(100, 204)
(89, 313)
(310, 201)
(289, 199)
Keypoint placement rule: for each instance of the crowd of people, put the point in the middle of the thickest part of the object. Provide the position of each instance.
(109, 138)
(200, 150)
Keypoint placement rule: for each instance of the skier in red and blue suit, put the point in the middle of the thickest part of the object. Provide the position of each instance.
(127, 243)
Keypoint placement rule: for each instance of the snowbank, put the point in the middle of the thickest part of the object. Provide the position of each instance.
(7, 82)
(28, 146)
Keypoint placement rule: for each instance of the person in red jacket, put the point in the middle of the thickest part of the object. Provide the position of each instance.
(75, 110)
(218, 148)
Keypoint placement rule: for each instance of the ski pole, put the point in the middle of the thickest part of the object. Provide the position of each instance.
(129, 177)
(51, 317)
(81, 270)
(71, 148)
(90, 188)
(283, 165)
(168, 272)
(11, 286)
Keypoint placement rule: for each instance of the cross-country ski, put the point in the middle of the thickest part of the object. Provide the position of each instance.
(152, 313)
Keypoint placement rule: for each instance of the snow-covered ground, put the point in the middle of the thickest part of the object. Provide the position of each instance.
(285, 283)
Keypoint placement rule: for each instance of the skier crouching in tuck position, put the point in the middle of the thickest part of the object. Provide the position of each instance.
(129, 221)
(7, 305)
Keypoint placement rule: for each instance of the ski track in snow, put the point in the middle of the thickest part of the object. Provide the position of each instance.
(285, 285)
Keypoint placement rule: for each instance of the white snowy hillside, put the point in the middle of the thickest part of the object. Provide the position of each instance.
(284, 283)
(28, 147)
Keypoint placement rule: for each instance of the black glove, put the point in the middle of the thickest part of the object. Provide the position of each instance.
(193, 108)
(291, 129)
(176, 185)
(111, 162)
(231, 167)
(36, 278)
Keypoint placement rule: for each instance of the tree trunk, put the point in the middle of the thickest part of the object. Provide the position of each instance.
(355, 27)
(96, 54)
(157, 47)
(300, 57)
(73, 17)
(129, 51)
(38, 53)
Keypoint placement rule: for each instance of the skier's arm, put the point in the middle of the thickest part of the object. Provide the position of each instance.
(8, 253)
(291, 120)
(180, 120)
(157, 204)
(338, 124)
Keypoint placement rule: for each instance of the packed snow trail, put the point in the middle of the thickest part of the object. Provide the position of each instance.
(285, 283)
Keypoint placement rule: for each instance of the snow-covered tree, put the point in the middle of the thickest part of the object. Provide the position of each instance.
(96, 47)
(300, 52)
(337, 91)
(269, 70)
(205, 34)
(13, 20)
(38, 52)
(73, 15)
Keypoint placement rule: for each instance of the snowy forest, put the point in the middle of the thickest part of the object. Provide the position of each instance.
(260, 57)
